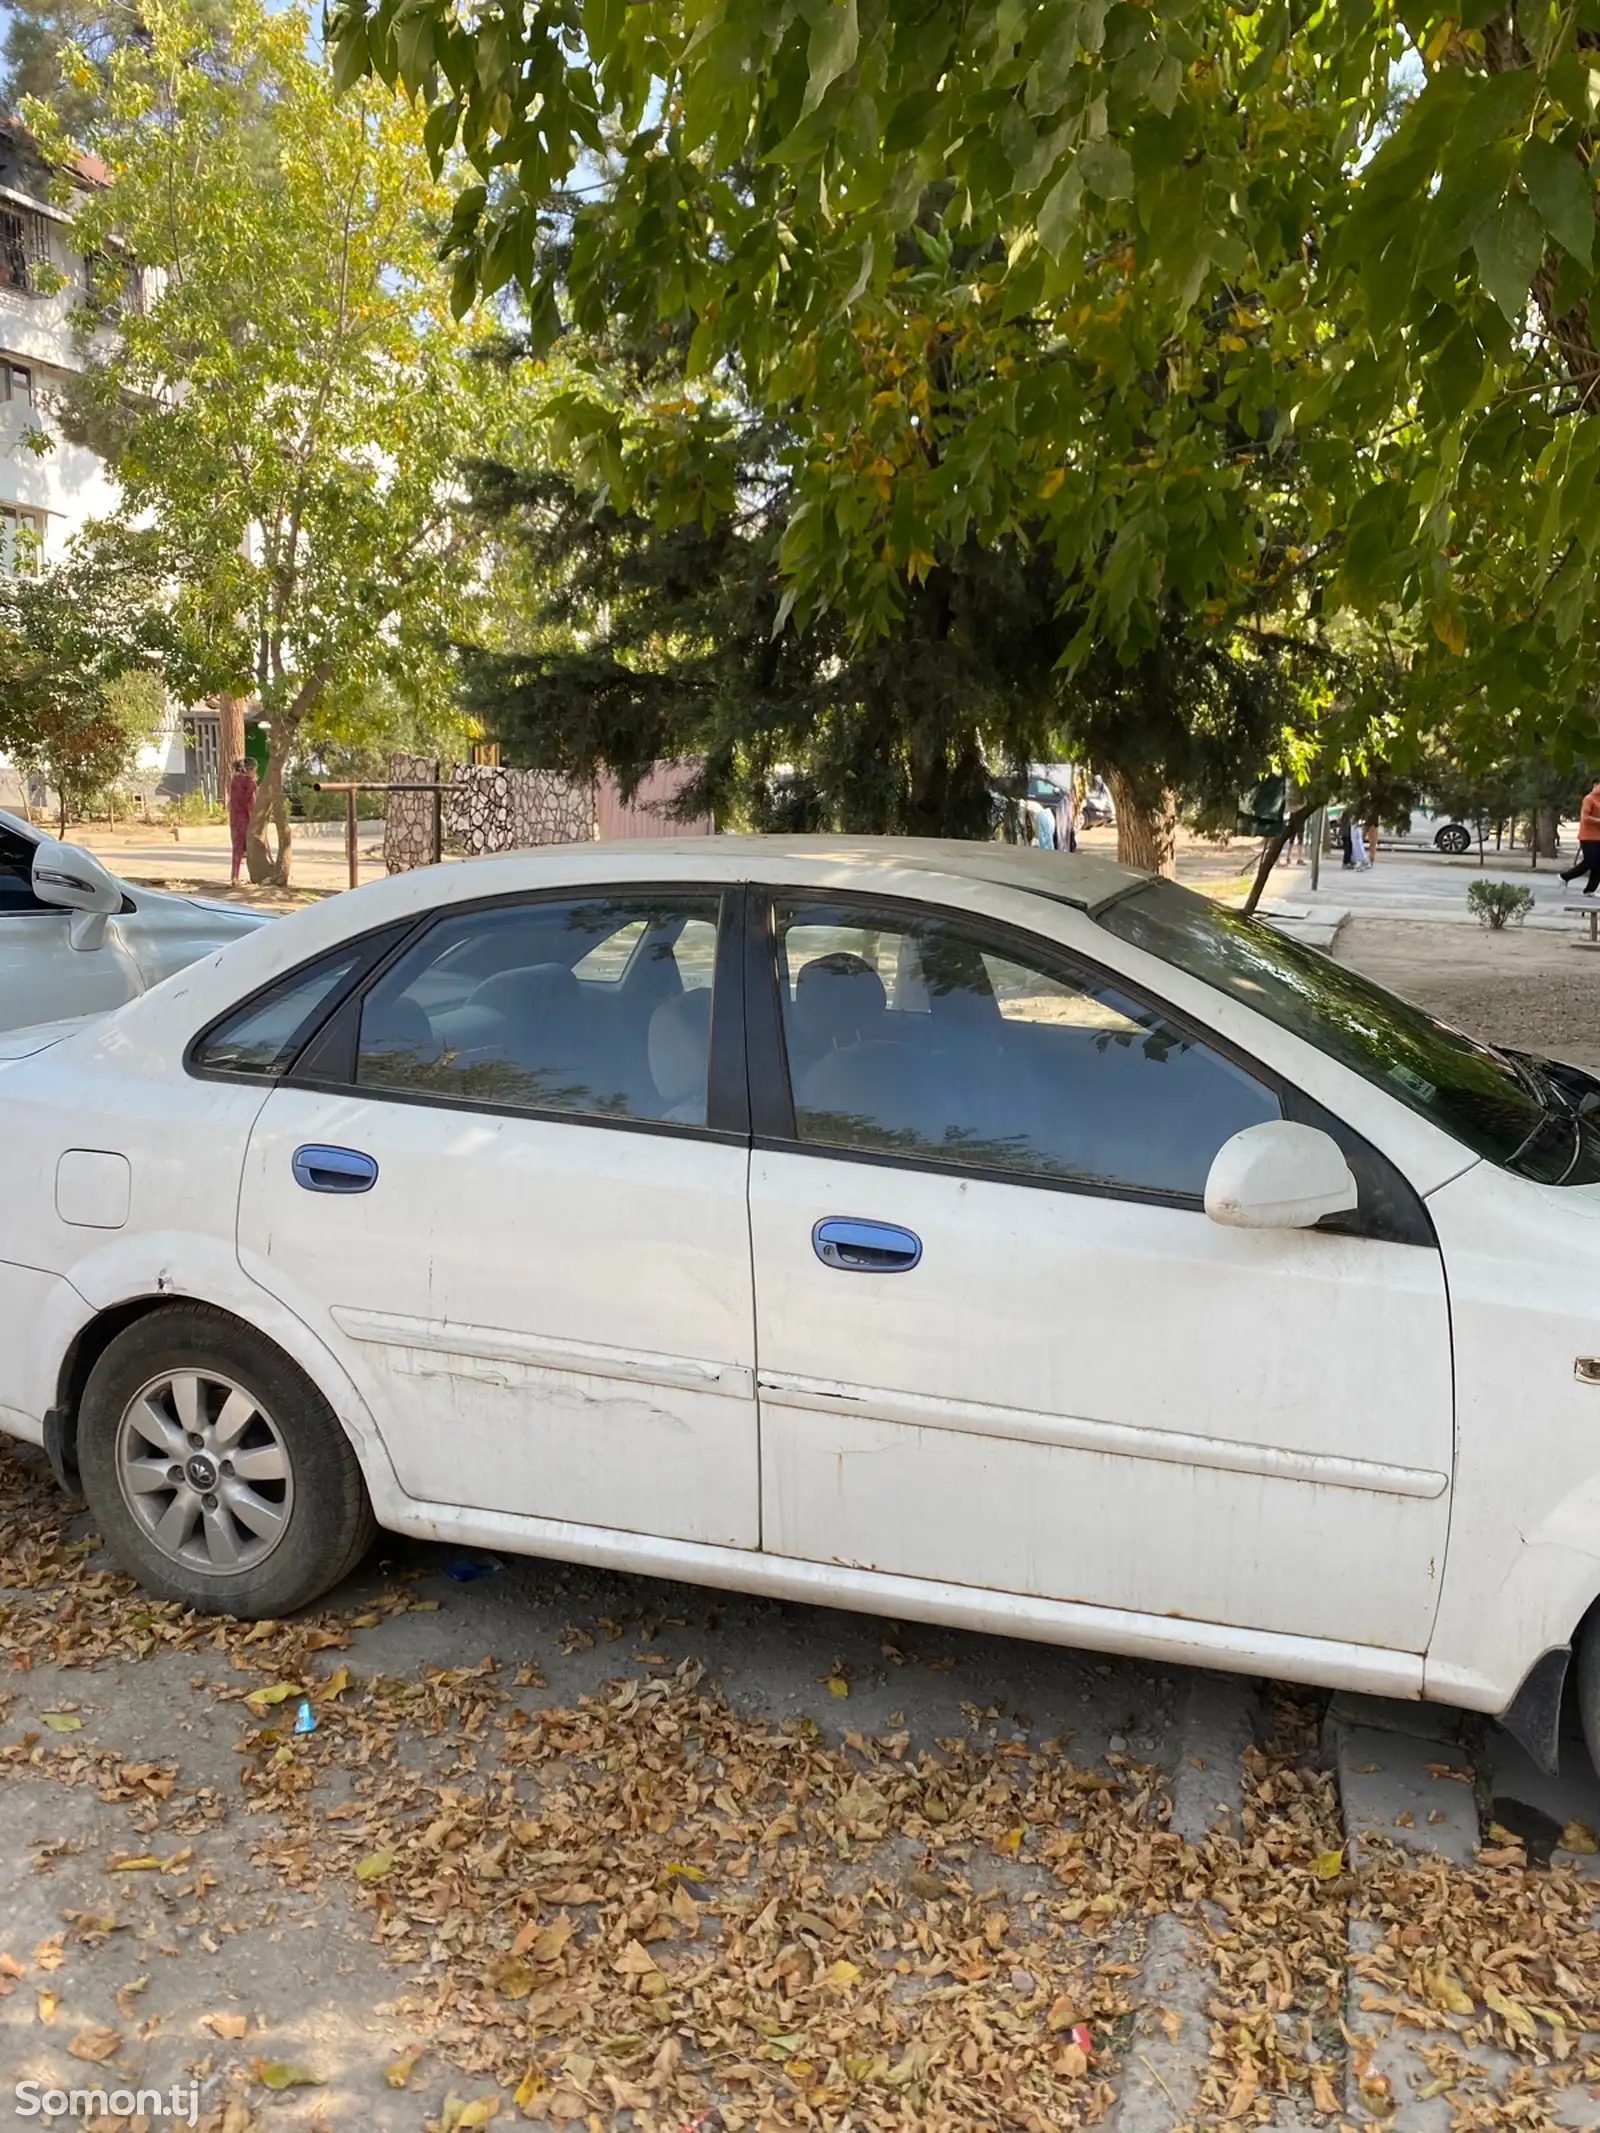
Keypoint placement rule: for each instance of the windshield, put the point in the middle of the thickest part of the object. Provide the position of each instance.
(1507, 1106)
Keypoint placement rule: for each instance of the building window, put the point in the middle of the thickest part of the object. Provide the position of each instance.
(24, 249)
(16, 384)
(21, 540)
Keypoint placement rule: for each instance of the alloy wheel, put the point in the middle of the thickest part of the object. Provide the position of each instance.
(205, 1470)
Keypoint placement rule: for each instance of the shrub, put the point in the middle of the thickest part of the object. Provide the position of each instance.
(1497, 901)
(193, 808)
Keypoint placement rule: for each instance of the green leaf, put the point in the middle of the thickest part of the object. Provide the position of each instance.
(835, 40)
(1561, 189)
(1107, 169)
(1509, 247)
(375, 1866)
(1058, 216)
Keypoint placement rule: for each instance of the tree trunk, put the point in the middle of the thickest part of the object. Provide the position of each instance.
(1544, 832)
(260, 863)
(1147, 826)
(1271, 852)
(230, 746)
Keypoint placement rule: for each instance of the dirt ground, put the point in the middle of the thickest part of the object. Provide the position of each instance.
(1529, 988)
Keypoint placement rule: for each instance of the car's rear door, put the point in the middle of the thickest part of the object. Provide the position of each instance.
(1001, 1345)
(506, 1187)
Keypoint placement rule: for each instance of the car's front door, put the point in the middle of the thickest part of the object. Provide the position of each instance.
(42, 976)
(520, 1223)
(999, 1342)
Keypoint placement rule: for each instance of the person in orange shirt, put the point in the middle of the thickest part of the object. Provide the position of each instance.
(1588, 841)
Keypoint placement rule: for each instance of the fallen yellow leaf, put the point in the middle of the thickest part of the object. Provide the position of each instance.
(232, 2026)
(532, 2085)
(279, 1692)
(398, 2072)
(1327, 1865)
(837, 1685)
(335, 1685)
(282, 2074)
(1579, 1837)
(141, 1863)
(49, 2001)
(479, 2111)
(374, 1866)
(62, 1722)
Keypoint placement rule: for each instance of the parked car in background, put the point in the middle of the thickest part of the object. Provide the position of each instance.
(724, 1209)
(74, 940)
(1096, 810)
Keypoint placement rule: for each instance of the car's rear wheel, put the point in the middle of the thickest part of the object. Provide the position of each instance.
(1586, 1674)
(1454, 837)
(217, 1472)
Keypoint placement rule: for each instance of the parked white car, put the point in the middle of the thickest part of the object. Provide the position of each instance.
(973, 1234)
(74, 940)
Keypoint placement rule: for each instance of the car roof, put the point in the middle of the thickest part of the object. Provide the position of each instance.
(1083, 879)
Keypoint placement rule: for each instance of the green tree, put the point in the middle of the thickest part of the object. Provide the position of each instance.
(1229, 323)
(286, 404)
(73, 636)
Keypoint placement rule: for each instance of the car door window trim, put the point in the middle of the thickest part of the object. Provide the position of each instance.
(1390, 1210)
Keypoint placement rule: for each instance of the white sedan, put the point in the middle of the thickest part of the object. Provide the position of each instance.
(970, 1234)
(76, 941)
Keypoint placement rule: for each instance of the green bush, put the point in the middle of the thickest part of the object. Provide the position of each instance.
(1497, 901)
(191, 809)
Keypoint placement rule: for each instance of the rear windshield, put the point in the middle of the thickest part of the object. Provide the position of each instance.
(1518, 1111)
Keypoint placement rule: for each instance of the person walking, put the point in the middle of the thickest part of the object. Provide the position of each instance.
(241, 805)
(1588, 841)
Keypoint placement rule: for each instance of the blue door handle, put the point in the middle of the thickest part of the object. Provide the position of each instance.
(321, 1169)
(856, 1247)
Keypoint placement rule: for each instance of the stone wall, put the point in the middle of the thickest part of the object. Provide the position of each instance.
(483, 810)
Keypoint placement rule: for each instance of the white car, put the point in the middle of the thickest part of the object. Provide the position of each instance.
(966, 1233)
(76, 941)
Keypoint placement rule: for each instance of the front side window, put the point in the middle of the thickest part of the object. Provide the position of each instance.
(599, 1006)
(1500, 1104)
(919, 1037)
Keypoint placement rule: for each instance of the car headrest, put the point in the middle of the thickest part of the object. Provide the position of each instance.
(680, 1047)
(396, 1029)
(544, 999)
(838, 999)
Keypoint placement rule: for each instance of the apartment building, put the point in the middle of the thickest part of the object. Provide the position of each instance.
(49, 486)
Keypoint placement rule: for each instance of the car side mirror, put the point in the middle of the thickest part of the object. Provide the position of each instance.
(1279, 1176)
(68, 876)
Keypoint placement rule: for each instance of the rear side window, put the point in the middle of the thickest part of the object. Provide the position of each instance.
(266, 1034)
(599, 1006)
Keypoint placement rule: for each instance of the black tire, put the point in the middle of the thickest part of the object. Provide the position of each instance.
(1455, 837)
(327, 1525)
(1586, 1673)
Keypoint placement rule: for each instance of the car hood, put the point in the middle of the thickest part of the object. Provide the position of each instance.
(230, 918)
(39, 1036)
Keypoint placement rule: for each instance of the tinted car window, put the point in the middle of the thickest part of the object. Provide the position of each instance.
(918, 1038)
(16, 874)
(265, 1035)
(600, 1006)
(1503, 1105)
